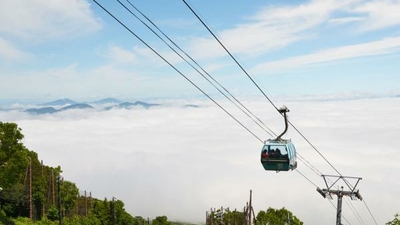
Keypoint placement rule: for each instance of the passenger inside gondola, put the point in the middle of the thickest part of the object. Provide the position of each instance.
(272, 153)
(264, 154)
(278, 153)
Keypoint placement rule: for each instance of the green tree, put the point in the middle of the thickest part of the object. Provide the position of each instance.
(101, 210)
(277, 217)
(138, 220)
(14, 162)
(395, 221)
(52, 213)
(69, 194)
(121, 216)
(18, 165)
(161, 220)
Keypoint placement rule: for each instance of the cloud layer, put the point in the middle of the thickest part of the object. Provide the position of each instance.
(180, 162)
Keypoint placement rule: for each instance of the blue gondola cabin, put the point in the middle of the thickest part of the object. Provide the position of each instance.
(278, 155)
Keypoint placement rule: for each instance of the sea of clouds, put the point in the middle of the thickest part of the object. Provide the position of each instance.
(180, 161)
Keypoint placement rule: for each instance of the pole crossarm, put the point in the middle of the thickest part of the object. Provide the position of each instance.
(345, 180)
(340, 192)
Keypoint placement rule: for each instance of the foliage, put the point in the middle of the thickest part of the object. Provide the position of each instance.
(138, 220)
(277, 217)
(395, 221)
(161, 220)
(69, 194)
(220, 216)
(4, 219)
(21, 169)
(52, 213)
(18, 166)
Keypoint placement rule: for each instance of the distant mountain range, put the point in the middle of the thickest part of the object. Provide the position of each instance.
(138, 103)
(106, 101)
(104, 104)
(59, 102)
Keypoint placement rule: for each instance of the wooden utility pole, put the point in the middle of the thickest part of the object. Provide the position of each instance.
(250, 208)
(43, 208)
(113, 211)
(59, 200)
(86, 212)
(248, 215)
(30, 188)
(53, 198)
(90, 200)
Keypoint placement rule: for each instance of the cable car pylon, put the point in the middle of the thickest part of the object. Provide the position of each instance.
(340, 192)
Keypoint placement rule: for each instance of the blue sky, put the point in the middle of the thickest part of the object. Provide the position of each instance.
(52, 49)
(74, 49)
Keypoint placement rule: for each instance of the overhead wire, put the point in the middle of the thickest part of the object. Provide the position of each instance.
(370, 213)
(176, 69)
(248, 75)
(229, 53)
(183, 59)
(243, 108)
(187, 55)
(354, 210)
(306, 178)
(307, 163)
(301, 159)
(270, 101)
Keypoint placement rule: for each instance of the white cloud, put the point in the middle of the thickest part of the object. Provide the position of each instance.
(345, 20)
(277, 27)
(180, 162)
(9, 52)
(271, 28)
(381, 47)
(379, 13)
(47, 19)
(119, 55)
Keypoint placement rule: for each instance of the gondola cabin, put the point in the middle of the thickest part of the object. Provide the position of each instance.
(278, 155)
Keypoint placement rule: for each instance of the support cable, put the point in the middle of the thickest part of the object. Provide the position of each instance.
(186, 78)
(354, 211)
(307, 163)
(166, 61)
(306, 178)
(236, 61)
(241, 67)
(223, 88)
(365, 203)
(244, 109)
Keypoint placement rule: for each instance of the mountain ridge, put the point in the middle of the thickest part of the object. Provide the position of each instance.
(69, 104)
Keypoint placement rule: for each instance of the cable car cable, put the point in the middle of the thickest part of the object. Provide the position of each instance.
(309, 165)
(188, 78)
(354, 211)
(234, 59)
(166, 61)
(301, 134)
(248, 113)
(183, 75)
(306, 177)
(370, 213)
